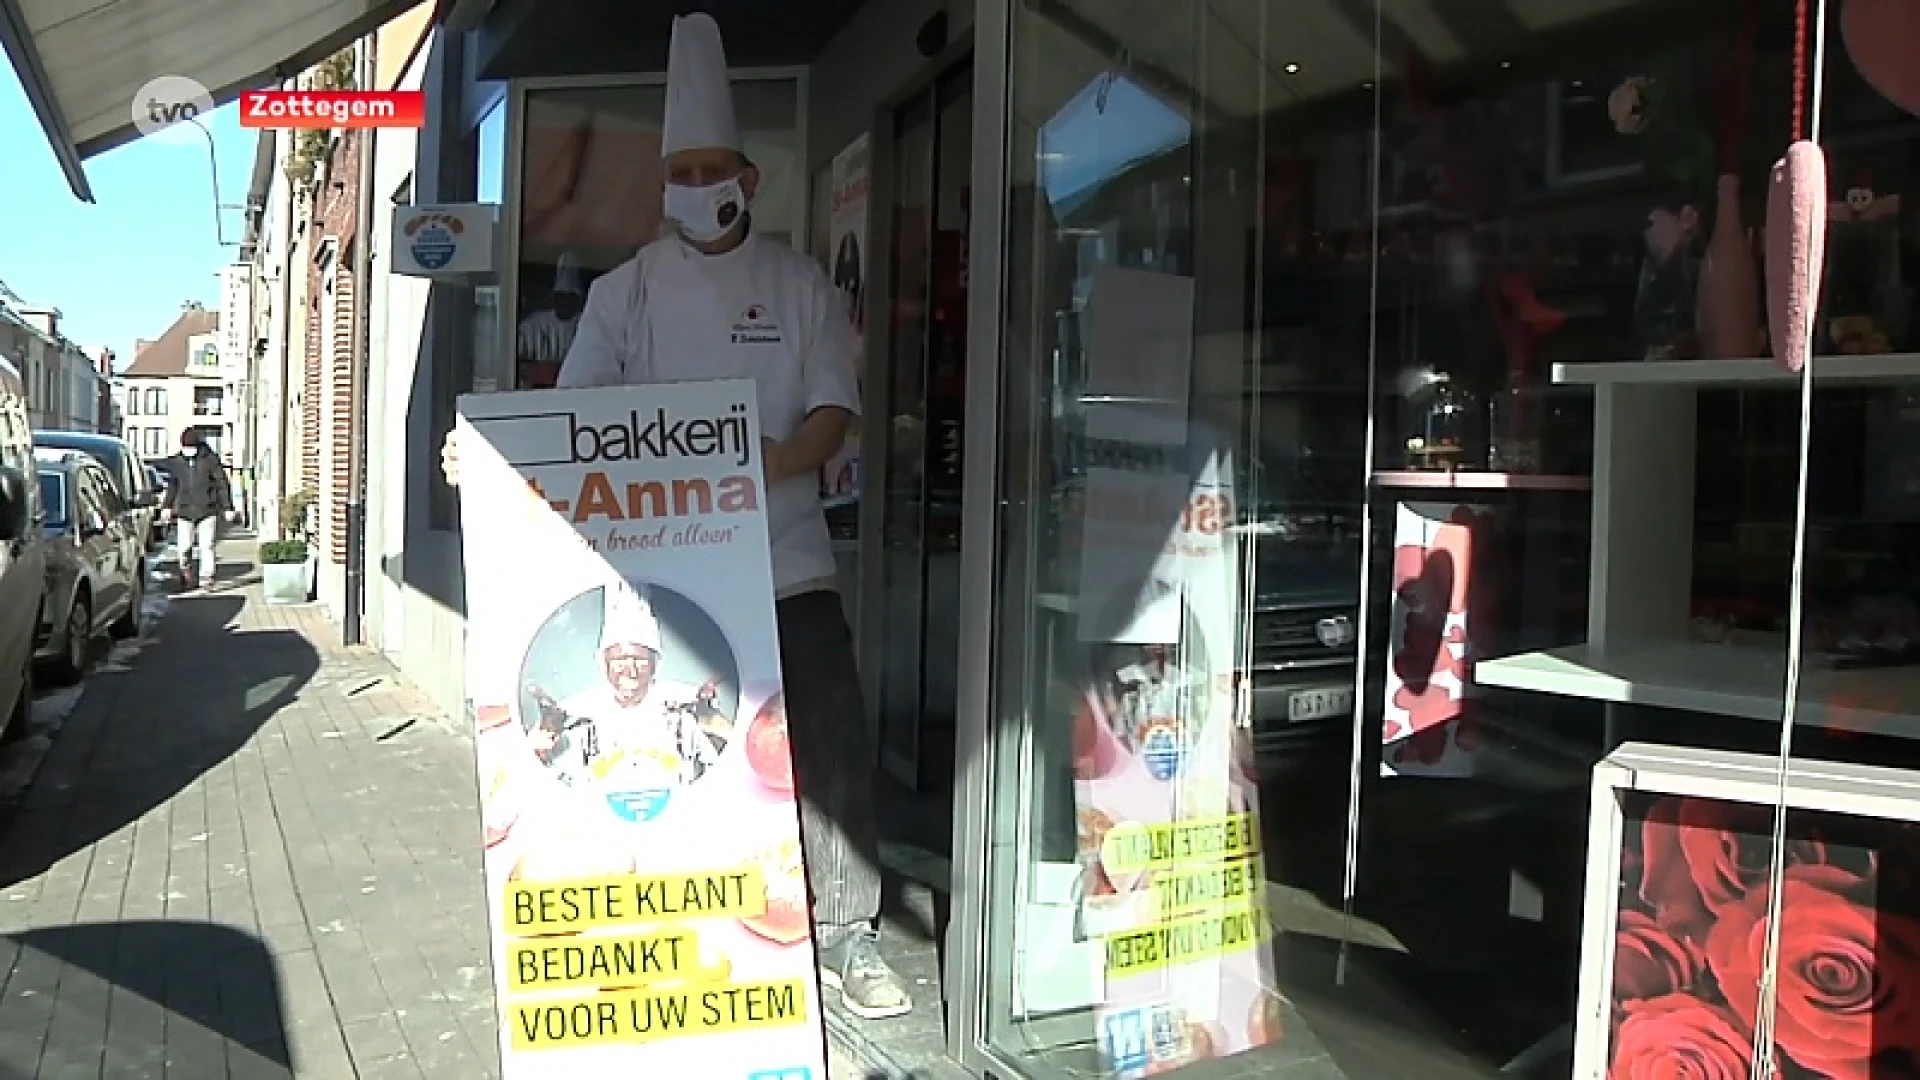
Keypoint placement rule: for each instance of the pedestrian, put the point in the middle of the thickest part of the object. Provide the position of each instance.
(197, 501)
(715, 300)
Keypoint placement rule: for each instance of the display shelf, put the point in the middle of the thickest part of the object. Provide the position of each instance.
(1464, 480)
(1880, 368)
(1745, 680)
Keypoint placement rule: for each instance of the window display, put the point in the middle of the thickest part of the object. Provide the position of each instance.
(1479, 319)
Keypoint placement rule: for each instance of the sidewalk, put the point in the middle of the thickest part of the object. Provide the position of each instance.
(249, 852)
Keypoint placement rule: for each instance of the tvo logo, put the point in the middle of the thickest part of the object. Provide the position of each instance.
(170, 108)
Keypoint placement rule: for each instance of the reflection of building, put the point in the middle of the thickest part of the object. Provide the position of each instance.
(176, 382)
(1339, 197)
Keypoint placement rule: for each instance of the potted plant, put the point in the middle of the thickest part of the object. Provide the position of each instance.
(283, 572)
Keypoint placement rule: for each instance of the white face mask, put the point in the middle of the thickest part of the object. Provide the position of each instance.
(706, 214)
(189, 451)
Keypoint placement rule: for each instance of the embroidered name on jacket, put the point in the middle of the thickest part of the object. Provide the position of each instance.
(756, 327)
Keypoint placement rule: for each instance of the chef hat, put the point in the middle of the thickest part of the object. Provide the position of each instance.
(699, 95)
(628, 619)
(566, 274)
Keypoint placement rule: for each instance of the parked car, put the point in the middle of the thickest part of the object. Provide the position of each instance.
(96, 560)
(23, 575)
(1305, 626)
(124, 467)
(158, 480)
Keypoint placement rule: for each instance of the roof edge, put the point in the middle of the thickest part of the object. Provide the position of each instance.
(27, 64)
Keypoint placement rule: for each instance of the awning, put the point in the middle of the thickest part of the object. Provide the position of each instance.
(82, 61)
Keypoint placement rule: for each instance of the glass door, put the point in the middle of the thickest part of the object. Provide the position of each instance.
(924, 380)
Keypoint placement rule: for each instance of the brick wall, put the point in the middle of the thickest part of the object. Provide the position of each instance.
(340, 416)
(327, 406)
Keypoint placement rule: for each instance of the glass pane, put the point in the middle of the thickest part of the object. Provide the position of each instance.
(490, 143)
(946, 420)
(1385, 444)
(1848, 910)
(903, 517)
(590, 196)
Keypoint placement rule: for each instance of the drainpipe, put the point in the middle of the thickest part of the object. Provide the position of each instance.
(352, 630)
(284, 390)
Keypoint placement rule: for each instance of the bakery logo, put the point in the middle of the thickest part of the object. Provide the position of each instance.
(433, 238)
(756, 327)
(641, 806)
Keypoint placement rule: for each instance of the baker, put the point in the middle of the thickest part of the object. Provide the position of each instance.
(714, 300)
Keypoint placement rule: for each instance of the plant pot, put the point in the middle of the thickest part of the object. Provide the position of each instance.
(285, 583)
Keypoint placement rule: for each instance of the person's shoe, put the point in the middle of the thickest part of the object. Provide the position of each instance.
(868, 987)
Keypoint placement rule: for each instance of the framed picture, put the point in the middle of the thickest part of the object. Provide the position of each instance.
(1676, 917)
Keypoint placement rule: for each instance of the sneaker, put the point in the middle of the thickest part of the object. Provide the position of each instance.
(868, 987)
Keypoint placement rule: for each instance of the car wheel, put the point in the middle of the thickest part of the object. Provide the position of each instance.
(128, 625)
(72, 665)
(22, 711)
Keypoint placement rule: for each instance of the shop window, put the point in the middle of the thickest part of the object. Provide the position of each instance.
(590, 196)
(1396, 446)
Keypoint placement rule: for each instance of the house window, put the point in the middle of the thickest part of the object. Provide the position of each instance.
(156, 402)
(132, 400)
(208, 400)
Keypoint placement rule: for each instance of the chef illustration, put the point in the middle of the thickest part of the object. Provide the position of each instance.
(630, 726)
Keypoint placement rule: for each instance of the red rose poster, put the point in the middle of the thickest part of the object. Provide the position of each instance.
(1692, 929)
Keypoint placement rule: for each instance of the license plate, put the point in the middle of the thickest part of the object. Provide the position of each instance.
(1303, 705)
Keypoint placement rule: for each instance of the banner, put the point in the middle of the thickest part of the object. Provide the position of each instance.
(643, 869)
(1173, 877)
(847, 228)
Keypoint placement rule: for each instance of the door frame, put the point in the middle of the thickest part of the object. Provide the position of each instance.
(976, 827)
(876, 404)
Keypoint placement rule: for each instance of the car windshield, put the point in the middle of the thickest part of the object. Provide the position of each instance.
(53, 498)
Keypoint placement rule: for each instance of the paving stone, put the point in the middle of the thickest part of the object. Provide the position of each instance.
(219, 870)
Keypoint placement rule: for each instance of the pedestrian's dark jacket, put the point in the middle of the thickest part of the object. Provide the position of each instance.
(199, 488)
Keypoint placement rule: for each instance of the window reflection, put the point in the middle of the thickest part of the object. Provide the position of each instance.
(590, 197)
(1457, 325)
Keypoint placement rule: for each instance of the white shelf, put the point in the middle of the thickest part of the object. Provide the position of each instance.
(1882, 368)
(1468, 480)
(1741, 680)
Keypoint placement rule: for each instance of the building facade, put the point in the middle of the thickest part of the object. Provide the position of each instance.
(63, 382)
(178, 382)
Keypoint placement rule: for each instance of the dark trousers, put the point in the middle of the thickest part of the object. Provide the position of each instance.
(833, 761)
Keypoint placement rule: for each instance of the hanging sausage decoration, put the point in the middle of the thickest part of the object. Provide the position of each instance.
(1796, 226)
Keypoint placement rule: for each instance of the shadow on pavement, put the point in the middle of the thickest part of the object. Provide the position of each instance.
(139, 999)
(200, 691)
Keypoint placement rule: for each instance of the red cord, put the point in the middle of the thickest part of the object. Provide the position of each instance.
(1800, 70)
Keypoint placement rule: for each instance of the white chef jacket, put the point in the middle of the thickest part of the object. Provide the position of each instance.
(762, 311)
(546, 337)
(648, 726)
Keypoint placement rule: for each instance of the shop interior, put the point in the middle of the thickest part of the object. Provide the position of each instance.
(1477, 306)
